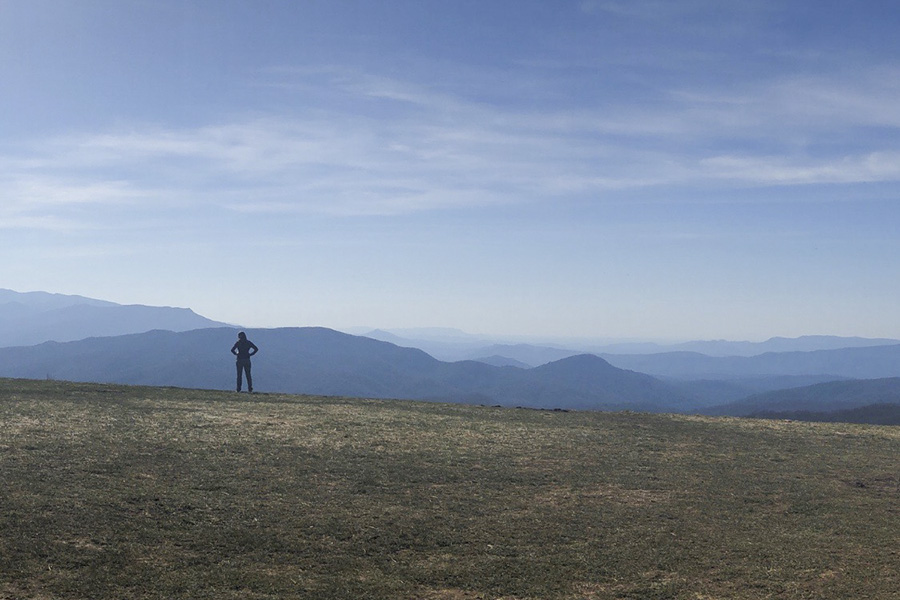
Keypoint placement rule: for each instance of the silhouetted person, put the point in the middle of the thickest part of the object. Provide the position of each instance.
(244, 349)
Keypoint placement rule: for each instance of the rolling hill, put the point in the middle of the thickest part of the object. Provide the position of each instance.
(871, 362)
(820, 398)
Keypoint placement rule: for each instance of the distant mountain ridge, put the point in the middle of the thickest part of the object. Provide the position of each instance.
(85, 339)
(455, 345)
(726, 348)
(822, 398)
(870, 362)
(315, 360)
(31, 318)
(47, 300)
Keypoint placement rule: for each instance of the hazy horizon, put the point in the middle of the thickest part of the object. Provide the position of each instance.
(687, 170)
(451, 335)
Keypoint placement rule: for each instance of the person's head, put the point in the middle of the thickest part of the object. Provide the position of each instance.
(242, 335)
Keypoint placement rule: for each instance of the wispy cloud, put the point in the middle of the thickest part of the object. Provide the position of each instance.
(776, 170)
(425, 150)
(44, 201)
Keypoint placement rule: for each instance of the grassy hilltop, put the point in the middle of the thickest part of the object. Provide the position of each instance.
(114, 492)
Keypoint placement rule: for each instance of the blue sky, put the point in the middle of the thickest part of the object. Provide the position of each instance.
(648, 169)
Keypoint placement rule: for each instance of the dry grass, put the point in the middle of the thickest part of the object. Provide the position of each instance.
(122, 492)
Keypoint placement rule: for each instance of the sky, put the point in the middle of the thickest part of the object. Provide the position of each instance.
(609, 169)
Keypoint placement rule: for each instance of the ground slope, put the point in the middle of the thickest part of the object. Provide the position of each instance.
(128, 492)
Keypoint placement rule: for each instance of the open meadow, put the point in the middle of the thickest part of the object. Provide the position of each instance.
(115, 492)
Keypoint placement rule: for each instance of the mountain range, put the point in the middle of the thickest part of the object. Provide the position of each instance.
(862, 363)
(314, 360)
(96, 340)
(33, 317)
(452, 345)
(823, 397)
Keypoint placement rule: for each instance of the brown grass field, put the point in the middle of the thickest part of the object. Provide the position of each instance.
(115, 492)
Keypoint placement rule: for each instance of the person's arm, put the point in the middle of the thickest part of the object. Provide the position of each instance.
(234, 349)
(253, 349)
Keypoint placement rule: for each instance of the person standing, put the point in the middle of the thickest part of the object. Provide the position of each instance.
(243, 349)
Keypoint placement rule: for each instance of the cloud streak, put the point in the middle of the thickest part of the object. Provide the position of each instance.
(431, 151)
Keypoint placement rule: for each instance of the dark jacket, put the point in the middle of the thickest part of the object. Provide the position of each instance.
(242, 349)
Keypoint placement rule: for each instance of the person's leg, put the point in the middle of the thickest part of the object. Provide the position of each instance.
(238, 367)
(249, 378)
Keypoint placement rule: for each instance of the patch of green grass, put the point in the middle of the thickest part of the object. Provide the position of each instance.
(128, 492)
